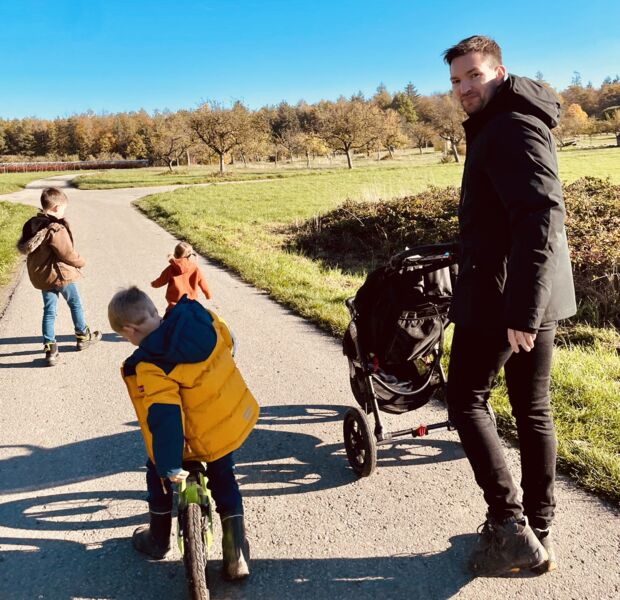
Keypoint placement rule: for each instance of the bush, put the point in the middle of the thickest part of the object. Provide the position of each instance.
(363, 234)
(593, 229)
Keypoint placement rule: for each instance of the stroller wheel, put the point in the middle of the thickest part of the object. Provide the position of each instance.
(359, 442)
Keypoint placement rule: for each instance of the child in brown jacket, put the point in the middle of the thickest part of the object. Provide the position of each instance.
(182, 277)
(54, 267)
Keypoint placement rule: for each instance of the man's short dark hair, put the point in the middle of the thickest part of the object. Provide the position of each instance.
(476, 43)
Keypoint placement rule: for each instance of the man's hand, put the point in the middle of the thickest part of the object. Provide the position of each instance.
(520, 338)
(177, 475)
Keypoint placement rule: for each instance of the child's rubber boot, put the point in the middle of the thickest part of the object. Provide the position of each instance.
(52, 356)
(235, 548)
(154, 539)
(86, 338)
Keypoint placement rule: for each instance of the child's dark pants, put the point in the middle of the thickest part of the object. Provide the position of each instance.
(221, 482)
(476, 359)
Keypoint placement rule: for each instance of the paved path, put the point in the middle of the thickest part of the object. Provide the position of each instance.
(71, 475)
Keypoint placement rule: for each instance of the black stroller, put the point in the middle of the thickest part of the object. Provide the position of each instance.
(394, 344)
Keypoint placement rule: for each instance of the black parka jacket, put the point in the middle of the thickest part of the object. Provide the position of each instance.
(514, 265)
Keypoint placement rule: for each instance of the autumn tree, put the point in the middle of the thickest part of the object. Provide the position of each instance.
(573, 121)
(392, 136)
(349, 125)
(169, 138)
(382, 98)
(220, 129)
(447, 118)
(285, 128)
(422, 134)
(611, 122)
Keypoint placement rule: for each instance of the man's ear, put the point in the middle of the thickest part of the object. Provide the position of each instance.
(500, 72)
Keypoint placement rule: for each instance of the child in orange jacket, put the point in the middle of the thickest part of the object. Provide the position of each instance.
(182, 276)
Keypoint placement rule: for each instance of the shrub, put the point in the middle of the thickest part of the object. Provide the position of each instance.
(362, 234)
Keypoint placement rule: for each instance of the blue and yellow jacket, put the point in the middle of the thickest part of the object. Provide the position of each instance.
(190, 399)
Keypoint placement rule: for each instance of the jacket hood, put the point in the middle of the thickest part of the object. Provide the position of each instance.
(525, 96)
(35, 230)
(186, 335)
(180, 265)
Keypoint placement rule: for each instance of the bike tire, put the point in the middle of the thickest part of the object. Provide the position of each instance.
(194, 555)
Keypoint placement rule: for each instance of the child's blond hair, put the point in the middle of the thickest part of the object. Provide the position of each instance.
(129, 306)
(183, 250)
(51, 197)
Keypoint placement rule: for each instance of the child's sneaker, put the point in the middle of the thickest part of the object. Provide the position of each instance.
(87, 338)
(52, 356)
(552, 563)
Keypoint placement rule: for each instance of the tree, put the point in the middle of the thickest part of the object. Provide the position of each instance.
(285, 128)
(422, 134)
(405, 107)
(2, 138)
(612, 122)
(447, 121)
(220, 129)
(382, 98)
(392, 135)
(169, 139)
(349, 125)
(137, 147)
(573, 121)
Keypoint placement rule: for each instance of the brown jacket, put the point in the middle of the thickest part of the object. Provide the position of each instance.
(52, 260)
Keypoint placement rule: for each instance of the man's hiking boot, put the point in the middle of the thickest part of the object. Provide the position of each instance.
(87, 338)
(551, 564)
(52, 356)
(506, 547)
(235, 548)
(154, 539)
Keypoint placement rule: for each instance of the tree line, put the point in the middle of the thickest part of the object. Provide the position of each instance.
(384, 122)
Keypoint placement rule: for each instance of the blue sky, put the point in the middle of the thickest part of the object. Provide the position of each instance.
(69, 56)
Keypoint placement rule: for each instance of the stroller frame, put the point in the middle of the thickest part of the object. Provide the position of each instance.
(360, 442)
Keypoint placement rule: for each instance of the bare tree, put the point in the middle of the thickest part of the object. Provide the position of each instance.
(220, 129)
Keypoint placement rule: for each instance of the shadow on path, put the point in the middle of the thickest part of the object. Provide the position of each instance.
(272, 462)
(62, 570)
(39, 361)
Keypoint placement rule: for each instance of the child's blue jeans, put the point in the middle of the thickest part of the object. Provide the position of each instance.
(221, 481)
(50, 306)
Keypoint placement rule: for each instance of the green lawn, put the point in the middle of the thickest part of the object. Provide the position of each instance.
(247, 226)
(13, 182)
(12, 217)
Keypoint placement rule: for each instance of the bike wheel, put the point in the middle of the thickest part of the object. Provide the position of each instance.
(194, 555)
(359, 442)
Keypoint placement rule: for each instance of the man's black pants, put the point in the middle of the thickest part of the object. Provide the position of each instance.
(475, 360)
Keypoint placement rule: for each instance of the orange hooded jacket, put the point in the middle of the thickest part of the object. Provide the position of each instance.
(182, 277)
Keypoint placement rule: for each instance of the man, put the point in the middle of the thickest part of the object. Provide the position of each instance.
(514, 284)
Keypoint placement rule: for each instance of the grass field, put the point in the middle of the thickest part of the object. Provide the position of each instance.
(246, 227)
(12, 217)
(13, 182)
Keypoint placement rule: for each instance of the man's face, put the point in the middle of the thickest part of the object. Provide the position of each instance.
(475, 79)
